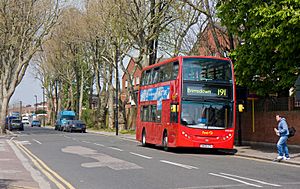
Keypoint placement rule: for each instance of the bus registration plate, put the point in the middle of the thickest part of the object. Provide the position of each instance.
(206, 146)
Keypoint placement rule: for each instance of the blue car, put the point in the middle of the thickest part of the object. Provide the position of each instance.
(75, 125)
(35, 123)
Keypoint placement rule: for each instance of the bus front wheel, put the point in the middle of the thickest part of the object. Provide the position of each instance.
(144, 138)
(165, 141)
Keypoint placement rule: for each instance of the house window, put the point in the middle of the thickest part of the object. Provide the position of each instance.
(126, 83)
(137, 80)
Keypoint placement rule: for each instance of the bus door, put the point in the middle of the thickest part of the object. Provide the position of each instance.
(174, 111)
(162, 119)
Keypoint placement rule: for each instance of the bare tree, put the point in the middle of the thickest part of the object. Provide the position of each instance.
(24, 27)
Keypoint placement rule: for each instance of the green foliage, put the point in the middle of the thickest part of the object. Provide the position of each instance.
(87, 117)
(268, 61)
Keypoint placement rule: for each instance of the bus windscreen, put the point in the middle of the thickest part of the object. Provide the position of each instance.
(205, 69)
(207, 115)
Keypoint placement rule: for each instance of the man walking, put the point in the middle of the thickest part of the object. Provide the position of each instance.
(283, 132)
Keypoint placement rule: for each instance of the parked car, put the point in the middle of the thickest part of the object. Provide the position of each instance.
(35, 123)
(15, 124)
(75, 125)
(62, 118)
(8, 119)
(25, 120)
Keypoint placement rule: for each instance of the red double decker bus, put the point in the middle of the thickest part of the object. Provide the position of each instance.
(187, 101)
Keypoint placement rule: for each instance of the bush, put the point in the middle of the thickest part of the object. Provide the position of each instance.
(88, 117)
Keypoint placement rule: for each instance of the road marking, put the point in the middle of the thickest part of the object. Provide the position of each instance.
(24, 142)
(118, 149)
(86, 142)
(261, 182)
(99, 144)
(247, 183)
(37, 141)
(45, 169)
(214, 186)
(179, 164)
(101, 160)
(140, 155)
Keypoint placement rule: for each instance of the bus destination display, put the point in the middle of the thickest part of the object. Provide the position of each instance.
(206, 91)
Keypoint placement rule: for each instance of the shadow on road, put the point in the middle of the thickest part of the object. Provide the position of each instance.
(195, 150)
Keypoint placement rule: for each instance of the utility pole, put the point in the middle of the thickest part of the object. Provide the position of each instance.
(20, 109)
(35, 104)
(117, 91)
(44, 106)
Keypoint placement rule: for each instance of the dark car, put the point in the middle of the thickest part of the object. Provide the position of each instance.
(35, 123)
(75, 125)
(15, 124)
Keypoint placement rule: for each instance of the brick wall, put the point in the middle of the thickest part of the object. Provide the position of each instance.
(264, 123)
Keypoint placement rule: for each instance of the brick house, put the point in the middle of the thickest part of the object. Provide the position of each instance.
(206, 45)
(126, 96)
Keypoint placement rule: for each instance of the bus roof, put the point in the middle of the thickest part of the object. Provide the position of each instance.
(181, 57)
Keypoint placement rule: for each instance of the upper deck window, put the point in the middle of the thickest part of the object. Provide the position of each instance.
(204, 69)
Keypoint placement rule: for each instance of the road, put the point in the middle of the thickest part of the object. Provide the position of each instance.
(94, 161)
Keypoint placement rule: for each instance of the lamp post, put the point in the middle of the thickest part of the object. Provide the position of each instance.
(20, 109)
(117, 91)
(35, 104)
(43, 106)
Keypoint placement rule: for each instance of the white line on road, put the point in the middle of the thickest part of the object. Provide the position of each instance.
(37, 141)
(86, 142)
(261, 182)
(179, 164)
(247, 183)
(140, 155)
(99, 144)
(118, 149)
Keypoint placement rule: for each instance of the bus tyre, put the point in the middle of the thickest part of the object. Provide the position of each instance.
(165, 141)
(144, 138)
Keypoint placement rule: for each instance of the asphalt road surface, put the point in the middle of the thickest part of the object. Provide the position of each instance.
(94, 161)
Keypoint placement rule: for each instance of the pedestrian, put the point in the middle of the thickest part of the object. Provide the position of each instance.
(283, 132)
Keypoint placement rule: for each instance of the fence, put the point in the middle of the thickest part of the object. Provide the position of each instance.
(273, 104)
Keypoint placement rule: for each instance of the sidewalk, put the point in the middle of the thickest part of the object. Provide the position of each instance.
(13, 174)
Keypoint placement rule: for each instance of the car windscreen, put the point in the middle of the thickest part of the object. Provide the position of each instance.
(67, 117)
(16, 121)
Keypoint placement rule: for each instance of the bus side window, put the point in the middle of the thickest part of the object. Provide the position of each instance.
(168, 72)
(143, 80)
(175, 70)
(162, 74)
(153, 113)
(155, 75)
(145, 113)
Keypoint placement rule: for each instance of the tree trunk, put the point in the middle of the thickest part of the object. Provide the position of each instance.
(4, 105)
(111, 113)
(81, 96)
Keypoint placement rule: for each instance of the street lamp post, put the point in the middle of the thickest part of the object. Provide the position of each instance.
(35, 103)
(43, 106)
(20, 109)
(117, 91)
